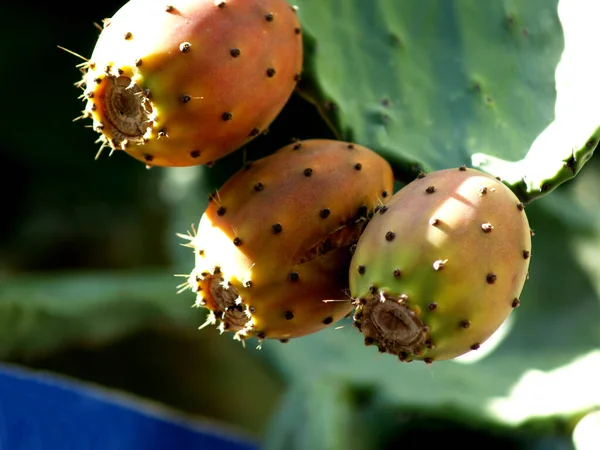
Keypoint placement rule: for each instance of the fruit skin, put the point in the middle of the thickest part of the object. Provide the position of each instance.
(441, 269)
(187, 82)
(273, 244)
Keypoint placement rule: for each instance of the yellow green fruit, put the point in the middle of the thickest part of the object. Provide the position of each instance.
(441, 266)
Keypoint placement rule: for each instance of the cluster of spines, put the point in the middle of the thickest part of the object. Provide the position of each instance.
(219, 316)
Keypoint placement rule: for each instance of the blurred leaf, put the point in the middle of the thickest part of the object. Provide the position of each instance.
(373, 421)
(437, 83)
(317, 416)
(39, 313)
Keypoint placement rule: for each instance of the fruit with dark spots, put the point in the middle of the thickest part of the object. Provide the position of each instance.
(479, 240)
(289, 271)
(212, 76)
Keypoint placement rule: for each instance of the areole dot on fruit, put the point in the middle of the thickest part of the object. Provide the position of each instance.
(189, 82)
(442, 268)
(272, 250)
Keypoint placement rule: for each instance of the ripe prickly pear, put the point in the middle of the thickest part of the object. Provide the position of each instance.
(441, 267)
(188, 82)
(272, 248)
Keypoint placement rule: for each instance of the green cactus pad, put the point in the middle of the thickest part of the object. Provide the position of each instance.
(40, 313)
(562, 149)
(436, 84)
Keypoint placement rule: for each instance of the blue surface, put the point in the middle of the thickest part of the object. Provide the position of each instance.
(40, 411)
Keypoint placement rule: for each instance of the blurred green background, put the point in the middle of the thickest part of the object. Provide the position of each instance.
(88, 252)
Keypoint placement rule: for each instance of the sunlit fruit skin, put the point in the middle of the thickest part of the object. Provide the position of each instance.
(187, 82)
(272, 249)
(441, 266)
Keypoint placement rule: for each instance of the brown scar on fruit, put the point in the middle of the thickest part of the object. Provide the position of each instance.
(127, 115)
(392, 324)
(342, 237)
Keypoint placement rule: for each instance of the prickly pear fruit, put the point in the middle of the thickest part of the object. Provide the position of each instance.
(441, 266)
(272, 248)
(185, 83)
